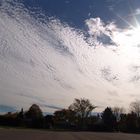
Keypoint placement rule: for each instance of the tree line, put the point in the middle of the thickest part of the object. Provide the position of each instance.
(78, 116)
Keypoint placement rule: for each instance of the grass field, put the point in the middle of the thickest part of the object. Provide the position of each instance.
(15, 134)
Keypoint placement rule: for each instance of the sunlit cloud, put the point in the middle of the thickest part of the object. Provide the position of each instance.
(137, 11)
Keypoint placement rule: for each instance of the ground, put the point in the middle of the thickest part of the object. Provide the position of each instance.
(15, 134)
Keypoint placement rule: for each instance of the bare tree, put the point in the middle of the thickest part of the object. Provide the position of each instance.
(135, 107)
(82, 107)
(117, 111)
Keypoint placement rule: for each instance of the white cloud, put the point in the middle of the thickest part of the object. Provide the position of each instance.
(51, 63)
(137, 12)
(96, 26)
(100, 33)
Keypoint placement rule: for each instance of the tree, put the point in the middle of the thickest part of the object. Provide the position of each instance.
(135, 107)
(64, 115)
(21, 114)
(82, 108)
(34, 116)
(34, 112)
(48, 121)
(64, 118)
(117, 111)
(109, 119)
(131, 122)
(20, 118)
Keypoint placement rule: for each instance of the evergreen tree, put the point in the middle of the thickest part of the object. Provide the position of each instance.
(109, 120)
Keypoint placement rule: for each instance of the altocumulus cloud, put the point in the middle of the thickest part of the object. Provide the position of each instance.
(50, 63)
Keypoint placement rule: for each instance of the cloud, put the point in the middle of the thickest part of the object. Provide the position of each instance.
(100, 32)
(135, 78)
(67, 2)
(51, 63)
(113, 93)
(112, 4)
(96, 26)
(106, 73)
(51, 106)
(137, 11)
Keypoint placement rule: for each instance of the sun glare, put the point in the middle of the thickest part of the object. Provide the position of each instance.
(129, 37)
(136, 35)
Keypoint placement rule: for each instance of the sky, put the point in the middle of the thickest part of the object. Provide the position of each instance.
(52, 52)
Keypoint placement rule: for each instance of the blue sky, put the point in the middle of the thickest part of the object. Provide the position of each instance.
(52, 51)
(75, 12)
